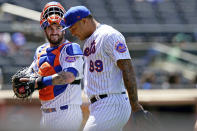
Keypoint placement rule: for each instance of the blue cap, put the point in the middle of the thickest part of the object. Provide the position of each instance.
(75, 14)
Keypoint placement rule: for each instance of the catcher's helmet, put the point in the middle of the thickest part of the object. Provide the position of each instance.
(53, 12)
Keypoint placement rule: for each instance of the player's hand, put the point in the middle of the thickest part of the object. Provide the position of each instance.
(136, 107)
(22, 87)
(31, 81)
(143, 120)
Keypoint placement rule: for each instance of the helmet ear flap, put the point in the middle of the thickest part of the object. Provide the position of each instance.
(44, 25)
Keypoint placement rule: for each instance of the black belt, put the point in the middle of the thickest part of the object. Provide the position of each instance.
(76, 82)
(96, 98)
(49, 110)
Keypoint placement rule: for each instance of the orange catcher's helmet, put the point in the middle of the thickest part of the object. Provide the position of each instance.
(53, 12)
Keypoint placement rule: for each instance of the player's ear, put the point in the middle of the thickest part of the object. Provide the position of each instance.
(45, 32)
(84, 21)
(64, 32)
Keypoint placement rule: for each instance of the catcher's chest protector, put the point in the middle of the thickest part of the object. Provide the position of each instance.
(48, 64)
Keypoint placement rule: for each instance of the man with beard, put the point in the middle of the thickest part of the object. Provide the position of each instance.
(59, 67)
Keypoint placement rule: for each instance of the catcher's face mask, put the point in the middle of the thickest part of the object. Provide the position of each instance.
(53, 12)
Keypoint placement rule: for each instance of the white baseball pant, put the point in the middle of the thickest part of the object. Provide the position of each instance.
(68, 120)
(109, 114)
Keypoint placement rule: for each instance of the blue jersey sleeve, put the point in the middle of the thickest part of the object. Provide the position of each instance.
(74, 49)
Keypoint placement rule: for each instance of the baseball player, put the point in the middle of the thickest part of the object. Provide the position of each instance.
(108, 70)
(60, 64)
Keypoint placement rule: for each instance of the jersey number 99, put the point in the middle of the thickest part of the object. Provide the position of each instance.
(97, 66)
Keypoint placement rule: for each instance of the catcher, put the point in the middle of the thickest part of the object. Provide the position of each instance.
(56, 72)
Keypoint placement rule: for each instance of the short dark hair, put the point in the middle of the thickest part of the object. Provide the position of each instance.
(89, 17)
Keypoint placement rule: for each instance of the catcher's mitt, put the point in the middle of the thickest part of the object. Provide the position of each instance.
(144, 121)
(23, 89)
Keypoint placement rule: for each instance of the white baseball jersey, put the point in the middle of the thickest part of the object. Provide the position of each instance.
(102, 76)
(71, 96)
(101, 52)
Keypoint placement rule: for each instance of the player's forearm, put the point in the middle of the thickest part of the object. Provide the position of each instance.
(131, 86)
(62, 78)
(130, 82)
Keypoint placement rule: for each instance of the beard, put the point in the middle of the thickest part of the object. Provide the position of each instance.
(55, 42)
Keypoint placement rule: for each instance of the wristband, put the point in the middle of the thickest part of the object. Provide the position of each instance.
(47, 80)
(44, 81)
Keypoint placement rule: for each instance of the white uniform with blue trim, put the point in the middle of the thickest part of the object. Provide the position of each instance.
(71, 118)
(102, 76)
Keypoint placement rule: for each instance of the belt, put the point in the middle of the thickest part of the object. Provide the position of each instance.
(49, 110)
(76, 82)
(98, 97)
